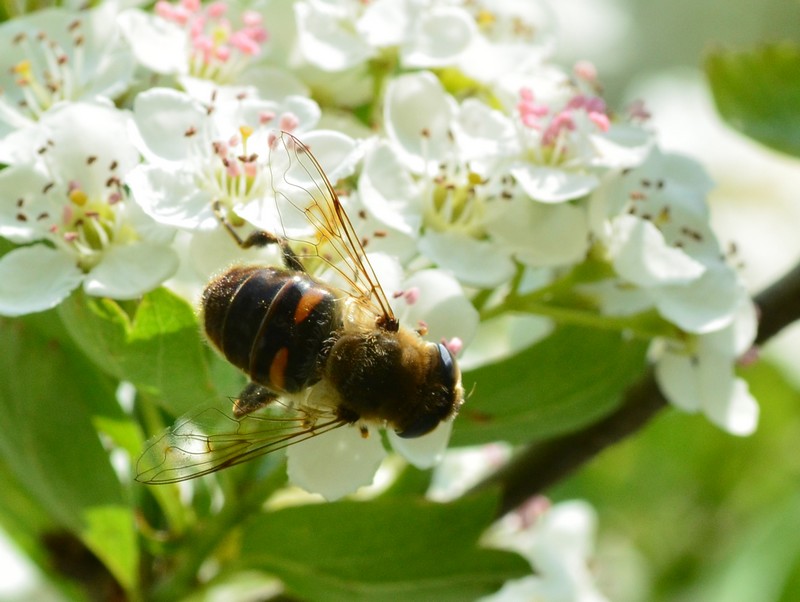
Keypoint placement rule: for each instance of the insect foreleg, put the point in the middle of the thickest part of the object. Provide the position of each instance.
(260, 238)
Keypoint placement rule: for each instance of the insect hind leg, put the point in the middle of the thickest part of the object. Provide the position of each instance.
(253, 397)
(258, 239)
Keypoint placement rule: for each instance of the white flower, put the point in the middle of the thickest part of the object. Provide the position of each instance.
(198, 156)
(206, 46)
(72, 196)
(654, 223)
(337, 463)
(424, 182)
(698, 374)
(512, 37)
(341, 34)
(464, 467)
(558, 543)
(58, 55)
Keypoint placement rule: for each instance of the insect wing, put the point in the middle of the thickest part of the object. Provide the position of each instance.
(211, 439)
(305, 197)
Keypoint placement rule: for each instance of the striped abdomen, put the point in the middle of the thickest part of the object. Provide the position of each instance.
(274, 325)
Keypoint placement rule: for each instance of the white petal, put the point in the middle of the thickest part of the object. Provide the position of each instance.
(23, 182)
(326, 41)
(739, 414)
(550, 185)
(622, 147)
(388, 191)
(540, 235)
(170, 196)
(618, 298)
(570, 527)
(157, 44)
(484, 132)
(81, 130)
(162, 117)
(335, 463)
(705, 305)
(440, 35)
(738, 337)
(383, 23)
(503, 337)
(474, 262)
(426, 451)
(129, 271)
(417, 103)
(35, 278)
(677, 379)
(337, 153)
(442, 305)
(643, 257)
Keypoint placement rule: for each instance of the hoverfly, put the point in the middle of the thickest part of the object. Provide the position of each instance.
(318, 356)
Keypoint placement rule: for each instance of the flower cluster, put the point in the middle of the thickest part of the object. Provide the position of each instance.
(482, 177)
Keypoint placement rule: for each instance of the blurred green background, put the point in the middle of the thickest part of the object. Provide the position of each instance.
(686, 512)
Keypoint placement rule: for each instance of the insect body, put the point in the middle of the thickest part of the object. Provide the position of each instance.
(323, 357)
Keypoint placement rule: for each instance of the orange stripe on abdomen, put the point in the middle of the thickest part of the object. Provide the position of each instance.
(310, 299)
(277, 369)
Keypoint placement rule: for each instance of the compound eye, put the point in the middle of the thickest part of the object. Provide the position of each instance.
(444, 377)
(448, 372)
(422, 426)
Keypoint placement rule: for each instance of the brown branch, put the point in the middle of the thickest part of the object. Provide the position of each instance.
(543, 464)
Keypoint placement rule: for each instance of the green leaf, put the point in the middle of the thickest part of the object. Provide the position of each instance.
(758, 93)
(387, 549)
(569, 380)
(50, 447)
(159, 350)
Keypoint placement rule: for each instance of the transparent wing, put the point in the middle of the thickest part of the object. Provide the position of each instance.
(211, 439)
(315, 222)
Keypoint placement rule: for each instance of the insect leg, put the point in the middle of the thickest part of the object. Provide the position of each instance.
(253, 397)
(260, 238)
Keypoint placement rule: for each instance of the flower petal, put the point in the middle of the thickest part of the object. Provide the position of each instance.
(540, 235)
(502, 337)
(327, 41)
(171, 196)
(739, 415)
(129, 271)
(438, 37)
(441, 305)
(643, 257)
(335, 463)
(474, 262)
(157, 44)
(677, 380)
(705, 305)
(388, 191)
(550, 185)
(163, 117)
(426, 451)
(80, 131)
(36, 278)
(418, 115)
(20, 189)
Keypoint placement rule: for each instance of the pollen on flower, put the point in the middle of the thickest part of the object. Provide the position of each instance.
(585, 70)
(529, 112)
(219, 51)
(288, 122)
(246, 131)
(78, 197)
(454, 345)
(411, 295)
